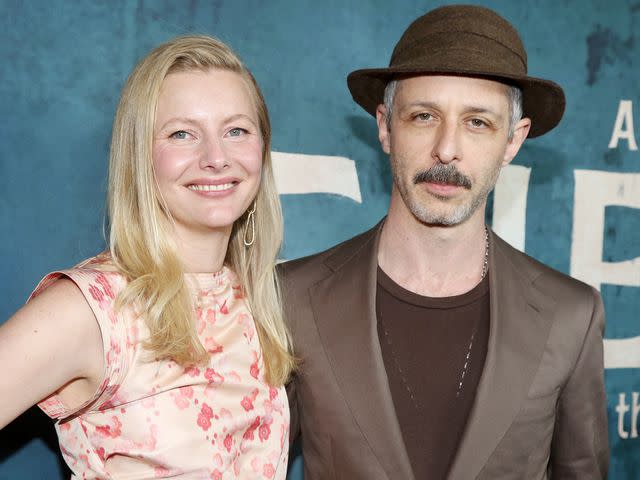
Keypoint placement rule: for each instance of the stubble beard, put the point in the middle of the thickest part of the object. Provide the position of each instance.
(427, 211)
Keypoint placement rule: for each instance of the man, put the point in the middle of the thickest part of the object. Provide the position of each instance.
(429, 347)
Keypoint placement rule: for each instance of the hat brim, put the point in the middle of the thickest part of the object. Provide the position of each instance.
(543, 100)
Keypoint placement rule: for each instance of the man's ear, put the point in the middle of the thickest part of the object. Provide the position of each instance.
(383, 129)
(520, 132)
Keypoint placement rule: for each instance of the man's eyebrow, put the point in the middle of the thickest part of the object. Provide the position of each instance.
(465, 108)
(424, 104)
(481, 109)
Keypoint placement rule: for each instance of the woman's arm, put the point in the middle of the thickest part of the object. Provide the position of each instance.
(51, 344)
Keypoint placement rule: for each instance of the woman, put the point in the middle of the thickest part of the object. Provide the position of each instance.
(166, 355)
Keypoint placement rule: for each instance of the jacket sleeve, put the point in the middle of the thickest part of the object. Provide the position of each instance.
(294, 425)
(579, 448)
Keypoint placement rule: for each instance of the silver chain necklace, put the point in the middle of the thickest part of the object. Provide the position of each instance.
(467, 359)
(485, 264)
(485, 268)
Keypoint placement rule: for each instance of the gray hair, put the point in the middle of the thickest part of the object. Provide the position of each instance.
(514, 96)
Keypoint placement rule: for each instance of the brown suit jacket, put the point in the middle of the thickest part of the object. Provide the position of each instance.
(540, 407)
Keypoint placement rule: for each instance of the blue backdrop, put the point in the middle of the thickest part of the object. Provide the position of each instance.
(572, 200)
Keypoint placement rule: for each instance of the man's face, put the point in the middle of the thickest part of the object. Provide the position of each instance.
(448, 139)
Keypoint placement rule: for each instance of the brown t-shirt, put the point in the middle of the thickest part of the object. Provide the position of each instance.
(434, 351)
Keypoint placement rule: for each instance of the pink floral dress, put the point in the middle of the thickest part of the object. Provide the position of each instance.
(156, 419)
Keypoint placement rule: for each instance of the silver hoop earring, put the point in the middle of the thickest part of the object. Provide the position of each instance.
(250, 225)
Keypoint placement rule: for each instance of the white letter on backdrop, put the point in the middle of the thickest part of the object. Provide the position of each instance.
(594, 190)
(510, 205)
(624, 116)
(299, 173)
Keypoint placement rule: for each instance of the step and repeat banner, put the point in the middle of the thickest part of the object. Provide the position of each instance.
(571, 198)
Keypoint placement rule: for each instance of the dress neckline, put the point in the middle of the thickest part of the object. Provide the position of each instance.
(207, 281)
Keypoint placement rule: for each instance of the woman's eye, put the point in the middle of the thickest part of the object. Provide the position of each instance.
(179, 135)
(236, 132)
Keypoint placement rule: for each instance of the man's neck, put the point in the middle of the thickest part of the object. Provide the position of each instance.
(430, 260)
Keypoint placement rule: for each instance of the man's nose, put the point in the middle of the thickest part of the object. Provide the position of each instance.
(446, 148)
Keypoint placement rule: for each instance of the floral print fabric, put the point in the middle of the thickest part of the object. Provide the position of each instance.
(154, 418)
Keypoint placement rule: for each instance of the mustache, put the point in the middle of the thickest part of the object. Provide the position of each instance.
(445, 174)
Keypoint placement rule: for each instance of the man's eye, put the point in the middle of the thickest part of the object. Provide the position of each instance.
(476, 122)
(179, 135)
(236, 132)
(424, 116)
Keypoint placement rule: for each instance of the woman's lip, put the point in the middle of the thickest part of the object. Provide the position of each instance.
(212, 181)
(211, 187)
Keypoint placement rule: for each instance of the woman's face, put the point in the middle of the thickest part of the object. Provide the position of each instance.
(207, 149)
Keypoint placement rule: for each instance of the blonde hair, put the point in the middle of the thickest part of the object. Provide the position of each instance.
(141, 241)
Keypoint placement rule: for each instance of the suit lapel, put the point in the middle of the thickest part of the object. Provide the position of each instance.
(345, 305)
(519, 327)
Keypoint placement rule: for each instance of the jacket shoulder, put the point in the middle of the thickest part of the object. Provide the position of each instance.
(313, 268)
(545, 278)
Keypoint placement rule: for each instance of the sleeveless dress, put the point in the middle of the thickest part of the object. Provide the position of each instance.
(155, 419)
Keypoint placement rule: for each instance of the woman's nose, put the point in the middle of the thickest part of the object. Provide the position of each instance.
(213, 155)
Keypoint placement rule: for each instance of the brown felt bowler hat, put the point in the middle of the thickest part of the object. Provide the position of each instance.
(463, 40)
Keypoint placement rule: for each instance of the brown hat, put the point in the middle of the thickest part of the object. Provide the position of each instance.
(463, 40)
